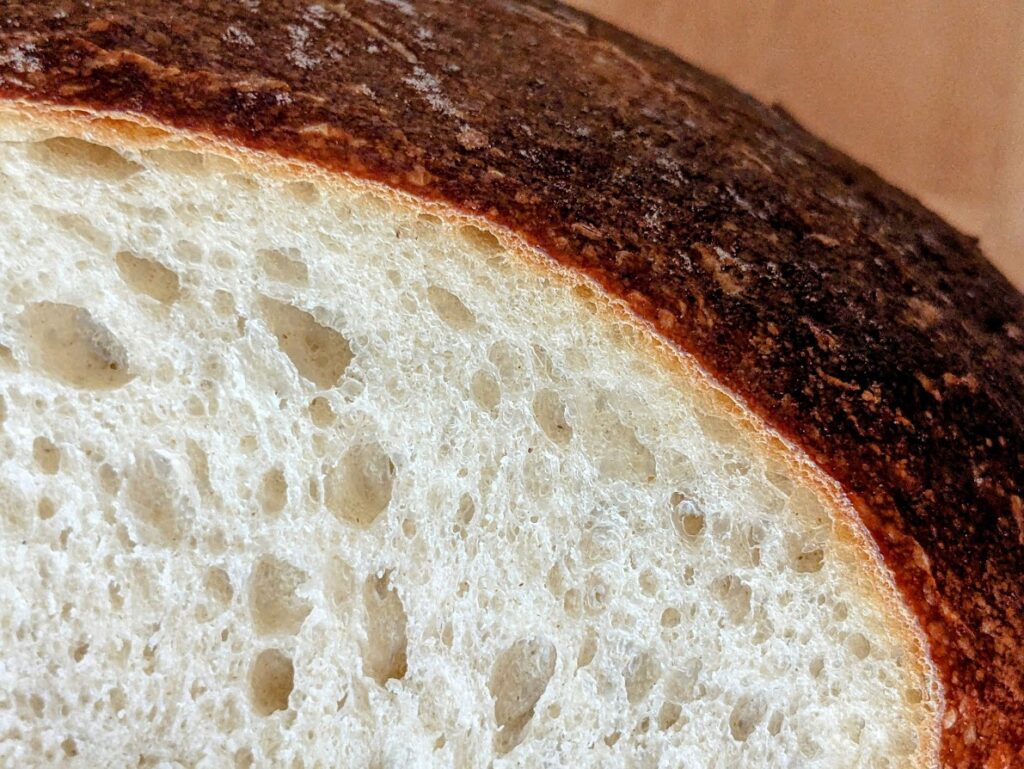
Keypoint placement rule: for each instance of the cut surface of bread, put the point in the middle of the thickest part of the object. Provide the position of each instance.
(297, 471)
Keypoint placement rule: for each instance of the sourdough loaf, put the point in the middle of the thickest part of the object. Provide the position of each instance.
(402, 383)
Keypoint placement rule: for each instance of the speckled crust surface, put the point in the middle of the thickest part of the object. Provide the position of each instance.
(847, 315)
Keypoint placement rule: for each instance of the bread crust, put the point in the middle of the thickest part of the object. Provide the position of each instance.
(842, 312)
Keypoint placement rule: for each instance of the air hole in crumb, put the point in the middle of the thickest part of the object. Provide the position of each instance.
(611, 739)
(69, 156)
(600, 543)
(549, 411)
(272, 679)
(617, 450)
(200, 464)
(273, 491)
(79, 652)
(117, 700)
(480, 239)
(217, 585)
(273, 602)
(597, 596)
(509, 362)
(46, 455)
(358, 489)
(409, 528)
(283, 265)
(670, 617)
(859, 646)
(775, 723)
(464, 516)
(746, 714)
(649, 583)
(46, 509)
(35, 702)
(384, 653)
(339, 582)
(223, 303)
(485, 390)
(641, 673)
(807, 561)
(817, 666)
(304, 192)
(588, 650)
(69, 747)
(66, 342)
(116, 599)
(320, 412)
(148, 277)
(156, 499)
(3, 409)
(688, 520)
(519, 678)
(244, 758)
(734, 596)
(450, 309)
(668, 715)
(319, 353)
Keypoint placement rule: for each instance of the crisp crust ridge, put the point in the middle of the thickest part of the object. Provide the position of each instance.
(852, 319)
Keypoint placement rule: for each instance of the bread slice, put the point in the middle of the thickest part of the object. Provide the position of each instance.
(304, 469)
(315, 459)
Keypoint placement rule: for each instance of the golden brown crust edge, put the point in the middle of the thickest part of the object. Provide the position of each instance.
(850, 318)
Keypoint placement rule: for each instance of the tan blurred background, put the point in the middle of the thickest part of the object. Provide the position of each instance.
(930, 93)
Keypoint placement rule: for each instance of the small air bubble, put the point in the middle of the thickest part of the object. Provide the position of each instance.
(283, 265)
(519, 678)
(273, 599)
(859, 646)
(809, 561)
(640, 675)
(320, 412)
(359, 488)
(384, 654)
(69, 747)
(588, 650)
(549, 412)
(273, 491)
(67, 343)
(745, 717)
(272, 679)
(485, 390)
(670, 617)
(46, 508)
(668, 715)
(450, 309)
(318, 352)
(148, 277)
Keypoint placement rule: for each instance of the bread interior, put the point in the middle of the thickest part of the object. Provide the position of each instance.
(297, 472)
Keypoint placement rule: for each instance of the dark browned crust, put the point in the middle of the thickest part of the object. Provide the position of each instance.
(854, 320)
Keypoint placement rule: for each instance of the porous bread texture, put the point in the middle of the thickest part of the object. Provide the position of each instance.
(294, 472)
